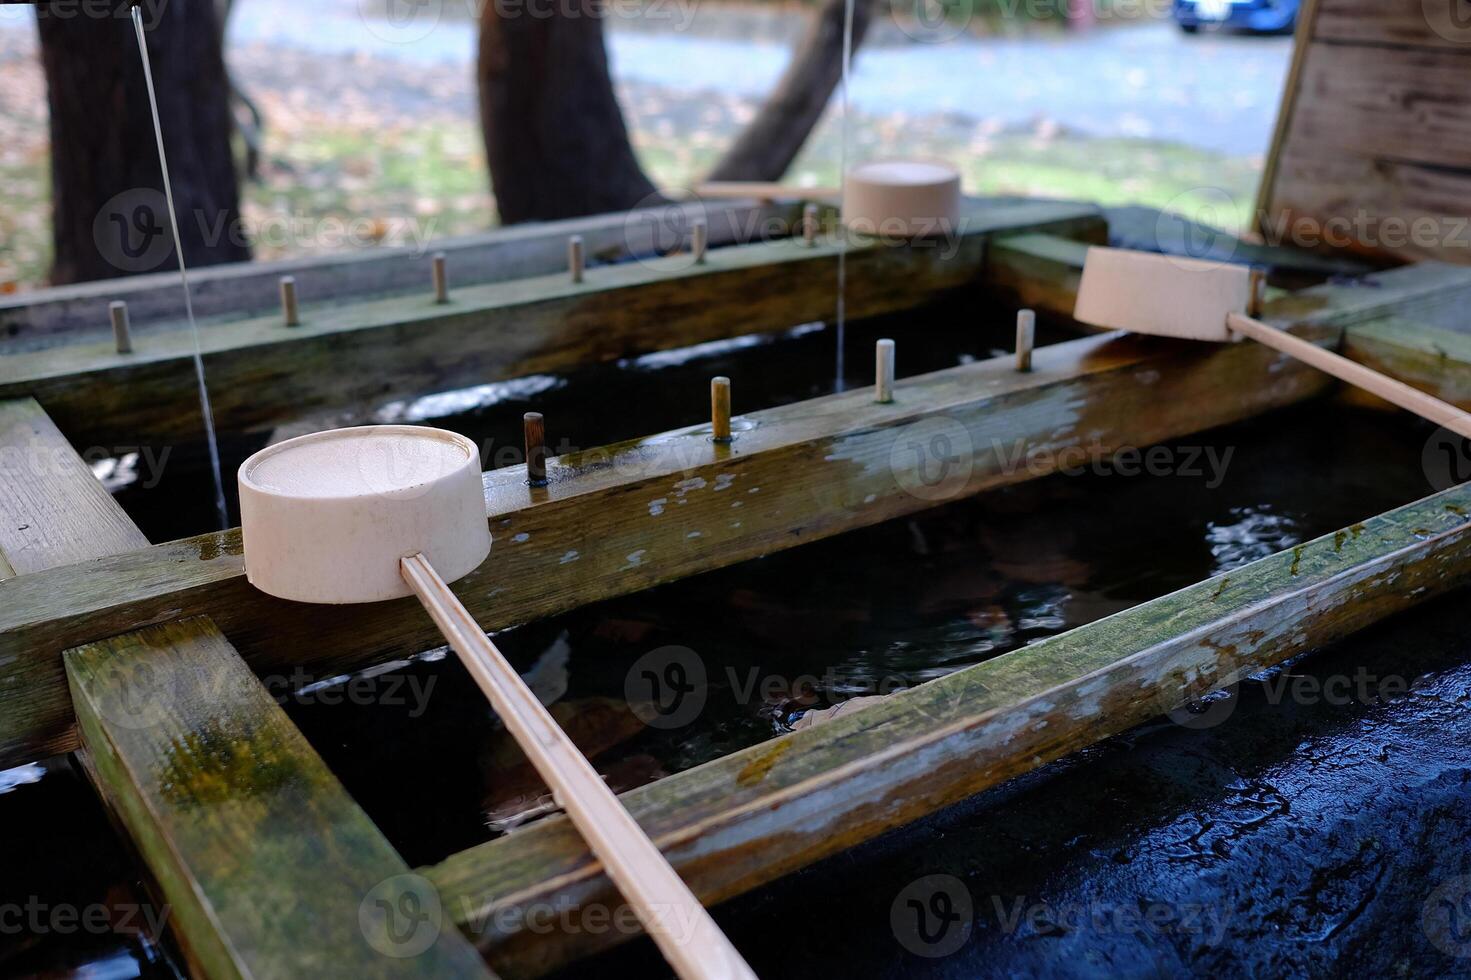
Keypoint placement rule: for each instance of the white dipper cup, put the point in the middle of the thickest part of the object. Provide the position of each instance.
(380, 512)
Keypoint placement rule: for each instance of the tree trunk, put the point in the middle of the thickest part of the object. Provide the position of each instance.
(767, 147)
(554, 135)
(107, 187)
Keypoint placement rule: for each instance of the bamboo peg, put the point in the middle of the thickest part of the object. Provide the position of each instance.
(290, 315)
(575, 260)
(720, 409)
(699, 240)
(536, 448)
(122, 333)
(1026, 329)
(1257, 293)
(809, 224)
(440, 276)
(884, 371)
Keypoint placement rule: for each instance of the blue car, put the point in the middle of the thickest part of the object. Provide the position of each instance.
(1256, 16)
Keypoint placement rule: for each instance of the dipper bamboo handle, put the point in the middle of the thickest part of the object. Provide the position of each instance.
(1391, 390)
(686, 935)
(764, 191)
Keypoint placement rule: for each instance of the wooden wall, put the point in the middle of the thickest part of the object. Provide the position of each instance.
(1373, 144)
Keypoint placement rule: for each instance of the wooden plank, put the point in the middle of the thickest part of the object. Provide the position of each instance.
(1334, 201)
(267, 866)
(1431, 358)
(353, 358)
(1406, 23)
(48, 316)
(742, 820)
(1291, 88)
(1037, 271)
(1394, 103)
(630, 516)
(53, 511)
(1433, 293)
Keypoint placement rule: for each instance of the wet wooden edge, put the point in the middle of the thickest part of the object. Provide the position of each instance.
(626, 517)
(353, 357)
(264, 865)
(53, 510)
(745, 819)
(61, 314)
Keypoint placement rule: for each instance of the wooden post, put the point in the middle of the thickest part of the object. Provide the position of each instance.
(440, 276)
(536, 448)
(884, 371)
(122, 333)
(574, 257)
(699, 240)
(289, 312)
(809, 225)
(720, 409)
(1026, 327)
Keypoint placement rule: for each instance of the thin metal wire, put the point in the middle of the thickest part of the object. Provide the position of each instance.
(168, 192)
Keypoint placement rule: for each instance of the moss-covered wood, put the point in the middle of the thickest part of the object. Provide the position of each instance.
(732, 824)
(50, 316)
(53, 511)
(266, 866)
(630, 516)
(1432, 358)
(353, 357)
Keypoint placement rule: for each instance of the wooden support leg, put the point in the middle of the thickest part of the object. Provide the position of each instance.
(266, 865)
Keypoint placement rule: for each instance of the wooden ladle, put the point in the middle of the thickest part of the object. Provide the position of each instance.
(379, 512)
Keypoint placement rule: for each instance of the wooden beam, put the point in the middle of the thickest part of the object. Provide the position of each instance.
(750, 817)
(262, 859)
(1416, 333)
(1407, 23)
(56, 315)
(354, 357)
(53, 511)
(633, 515)
(630, 516)
(1307, 16)
(265, 864)
(1037, 271)
(1431, 358)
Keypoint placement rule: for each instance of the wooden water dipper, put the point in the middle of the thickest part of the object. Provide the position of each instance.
(1193, 299)
(889, 198)
(380, 512)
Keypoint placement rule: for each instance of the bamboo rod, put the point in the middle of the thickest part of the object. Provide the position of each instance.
(122, 333)
(680, 926)
(720, 409)
(440, 275)
(883, 371)
(290, 314)
(536, 448)
(764, 190)
(1392, 391)
(699, 240)
(575, 260)
(1026, 328)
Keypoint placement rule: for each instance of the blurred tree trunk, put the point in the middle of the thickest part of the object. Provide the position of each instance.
(554, 135)
(107, 187)
(769, 144)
